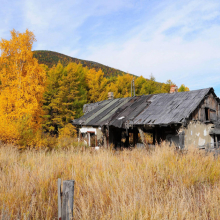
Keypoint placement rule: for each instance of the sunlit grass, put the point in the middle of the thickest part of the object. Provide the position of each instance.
(137, 184)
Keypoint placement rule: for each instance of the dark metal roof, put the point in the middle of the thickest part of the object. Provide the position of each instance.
(156, 109)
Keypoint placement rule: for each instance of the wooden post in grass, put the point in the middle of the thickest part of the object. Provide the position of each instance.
(59, 199)
(67, 199)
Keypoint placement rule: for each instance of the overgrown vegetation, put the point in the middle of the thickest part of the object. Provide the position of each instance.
(137, 184)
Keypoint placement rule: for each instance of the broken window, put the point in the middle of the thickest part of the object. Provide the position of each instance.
(210, 114)
(92, 139)
(126, 140)
(207, 116)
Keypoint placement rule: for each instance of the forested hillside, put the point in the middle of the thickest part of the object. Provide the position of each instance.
(51, 58)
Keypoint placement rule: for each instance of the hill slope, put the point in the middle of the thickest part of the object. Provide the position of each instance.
(51, 58)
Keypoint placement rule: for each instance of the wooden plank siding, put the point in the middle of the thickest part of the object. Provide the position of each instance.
(209, 104)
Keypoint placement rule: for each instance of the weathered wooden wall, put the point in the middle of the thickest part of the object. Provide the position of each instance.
(209, 105)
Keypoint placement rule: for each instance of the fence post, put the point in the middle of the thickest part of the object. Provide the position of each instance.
(67, 199)
(59, 199)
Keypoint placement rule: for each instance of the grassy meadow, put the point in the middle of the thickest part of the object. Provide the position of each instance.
(129, 184)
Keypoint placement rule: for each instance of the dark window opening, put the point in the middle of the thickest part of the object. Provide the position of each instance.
(92, 140)
(126, 140)
(206, 114)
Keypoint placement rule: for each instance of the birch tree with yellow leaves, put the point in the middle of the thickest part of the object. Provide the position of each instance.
(22, 84)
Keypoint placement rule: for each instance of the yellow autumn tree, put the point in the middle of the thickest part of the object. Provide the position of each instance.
(96, 83)
(121, 86)
(166, 86)
(183, 88)
(22, 83)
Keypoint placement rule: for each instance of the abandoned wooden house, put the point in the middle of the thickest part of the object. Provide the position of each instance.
(182, 118)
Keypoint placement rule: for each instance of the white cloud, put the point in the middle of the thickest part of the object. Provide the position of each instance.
(56, 23)
(172, 56)
(177, 40)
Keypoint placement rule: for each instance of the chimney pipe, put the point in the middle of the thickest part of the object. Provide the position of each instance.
(132, 87)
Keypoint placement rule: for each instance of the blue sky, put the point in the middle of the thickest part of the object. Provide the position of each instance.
(177, 40)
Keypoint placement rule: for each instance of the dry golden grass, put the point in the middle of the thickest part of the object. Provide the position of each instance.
(136, 184)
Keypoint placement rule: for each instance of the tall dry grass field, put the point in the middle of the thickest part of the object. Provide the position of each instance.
(136, 184)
